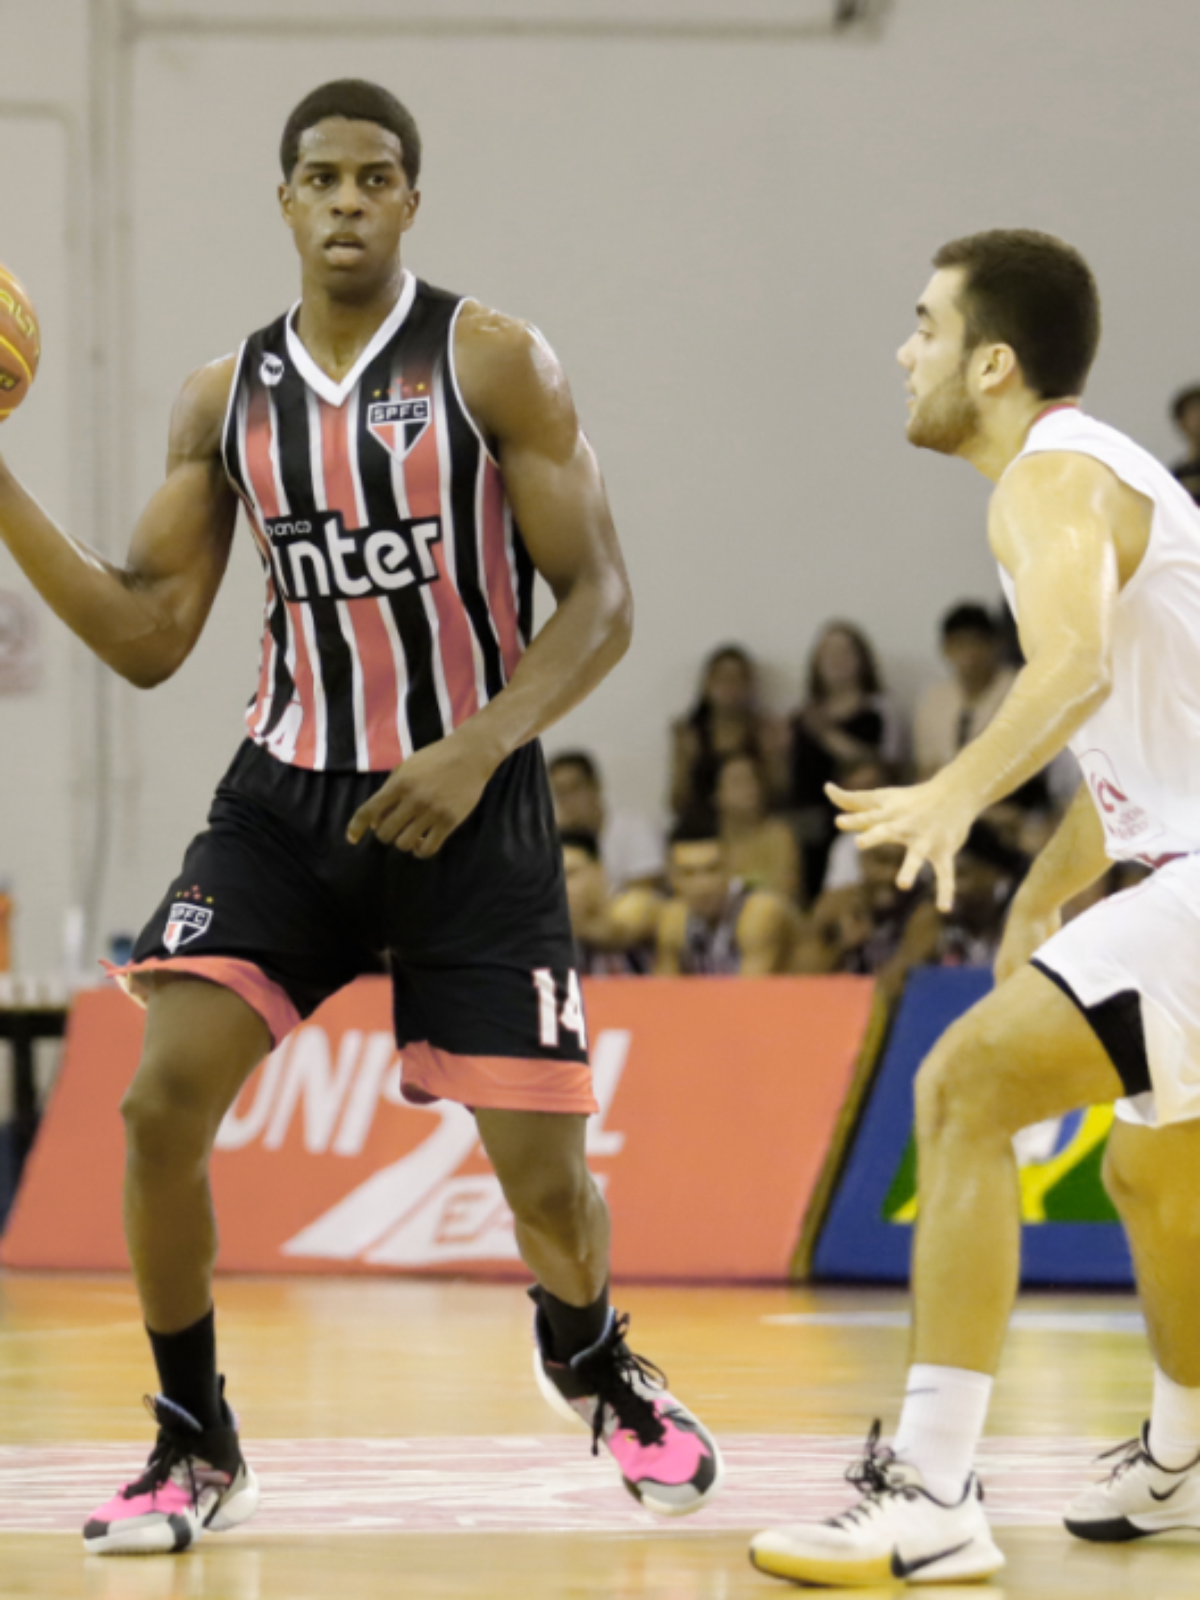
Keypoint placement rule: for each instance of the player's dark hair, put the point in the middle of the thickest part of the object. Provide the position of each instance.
(580, 839)
(1031, 291)
(969, 617)
(869, 679)
(358, 101)
(699, 826)
(1183, 400)
(581, 761)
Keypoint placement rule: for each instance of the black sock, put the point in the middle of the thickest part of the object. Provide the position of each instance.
(187, 1369)
(573, 1328)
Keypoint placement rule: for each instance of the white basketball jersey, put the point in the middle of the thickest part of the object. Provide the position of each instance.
(1140, 753)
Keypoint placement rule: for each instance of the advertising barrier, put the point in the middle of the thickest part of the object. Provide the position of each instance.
(1070, 1235)
(719, 1104)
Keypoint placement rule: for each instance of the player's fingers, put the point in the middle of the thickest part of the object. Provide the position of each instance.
(881, 833)
(857, 821)
(943, 870)
(852, 799)
(397, 819)
(367, 818)
(910, 869)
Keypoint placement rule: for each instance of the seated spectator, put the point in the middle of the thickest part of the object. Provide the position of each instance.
(987, 873)
(1185, 412)
(958, 709)
(631, 843)
(714, 923)
(846, 720)
(726, 720)
(876, 928)
(872, 926)
(844, 866)
(614, 933)
(761, 850)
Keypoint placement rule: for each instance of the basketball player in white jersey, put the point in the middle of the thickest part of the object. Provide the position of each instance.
(1099, 554)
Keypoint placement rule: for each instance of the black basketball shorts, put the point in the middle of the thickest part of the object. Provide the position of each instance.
(273, 903)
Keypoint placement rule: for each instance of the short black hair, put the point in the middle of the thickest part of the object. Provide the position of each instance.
(697, 827)
(1034, 293)
(1183, 400)
(358, 101)
(969, 617)
(579, 759)
(580, 839)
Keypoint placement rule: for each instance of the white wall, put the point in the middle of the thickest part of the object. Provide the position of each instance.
(44, 809)
(723, 236)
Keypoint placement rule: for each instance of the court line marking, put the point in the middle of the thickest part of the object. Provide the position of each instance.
(520, 1484)
(1021, 1321)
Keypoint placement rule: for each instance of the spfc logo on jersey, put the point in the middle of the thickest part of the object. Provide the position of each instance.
(398, 424)
(184, 923)
(271, 371)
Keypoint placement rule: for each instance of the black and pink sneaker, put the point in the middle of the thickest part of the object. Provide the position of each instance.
(195, 1479)
(667, 1457)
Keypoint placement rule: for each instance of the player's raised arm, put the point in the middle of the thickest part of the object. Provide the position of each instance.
(143, 618)
(515, 389)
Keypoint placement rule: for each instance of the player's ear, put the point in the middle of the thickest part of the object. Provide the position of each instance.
(285, 203)
(412, 206)
(997, 364)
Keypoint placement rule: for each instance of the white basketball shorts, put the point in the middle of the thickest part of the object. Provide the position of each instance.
(1139, 952)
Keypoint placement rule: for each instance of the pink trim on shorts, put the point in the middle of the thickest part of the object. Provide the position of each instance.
(243, 978)
(495, 1083)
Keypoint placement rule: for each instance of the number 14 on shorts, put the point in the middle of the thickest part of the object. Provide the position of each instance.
(553, 1020)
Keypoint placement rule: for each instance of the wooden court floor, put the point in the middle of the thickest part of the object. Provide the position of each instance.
(404, 1451)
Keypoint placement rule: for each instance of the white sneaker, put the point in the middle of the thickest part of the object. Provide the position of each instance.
(1137, 1498)
(897, 1532)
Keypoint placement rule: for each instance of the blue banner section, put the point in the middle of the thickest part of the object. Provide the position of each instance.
(1070, 1233)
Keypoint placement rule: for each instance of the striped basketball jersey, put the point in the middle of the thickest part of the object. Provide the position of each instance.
(399, 592)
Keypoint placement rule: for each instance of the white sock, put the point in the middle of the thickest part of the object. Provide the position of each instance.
(940, 1425)
(1174, 1423)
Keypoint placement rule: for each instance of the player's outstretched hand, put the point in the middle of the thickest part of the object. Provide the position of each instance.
(426, 798)
(926, 819)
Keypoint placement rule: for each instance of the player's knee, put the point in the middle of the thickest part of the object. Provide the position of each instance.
(554, 1200)
(168, 1118)
(1146, 1185)
(959, 1086)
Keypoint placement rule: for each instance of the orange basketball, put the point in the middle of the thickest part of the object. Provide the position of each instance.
(20, 343)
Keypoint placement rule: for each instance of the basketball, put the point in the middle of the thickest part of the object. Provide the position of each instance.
(20, 343)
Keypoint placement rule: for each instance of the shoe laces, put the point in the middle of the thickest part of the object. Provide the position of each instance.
(1133, 1453)
(617, 1390)
(871, 1476)
(170, 1451)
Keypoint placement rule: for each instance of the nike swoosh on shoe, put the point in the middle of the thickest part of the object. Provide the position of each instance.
(1154, 1494)
(905, 1569)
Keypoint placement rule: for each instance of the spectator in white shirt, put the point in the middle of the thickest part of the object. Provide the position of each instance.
(631, 845)
(958, 709)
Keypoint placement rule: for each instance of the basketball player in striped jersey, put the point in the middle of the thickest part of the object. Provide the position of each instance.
(406, 459)
(1099, 554)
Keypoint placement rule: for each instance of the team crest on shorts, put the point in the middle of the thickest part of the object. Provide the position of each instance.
(398, 424)
(185, 923)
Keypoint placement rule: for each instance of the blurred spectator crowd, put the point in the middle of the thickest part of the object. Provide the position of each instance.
(753, 876)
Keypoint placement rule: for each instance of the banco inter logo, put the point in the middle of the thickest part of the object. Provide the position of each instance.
(320, 558)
